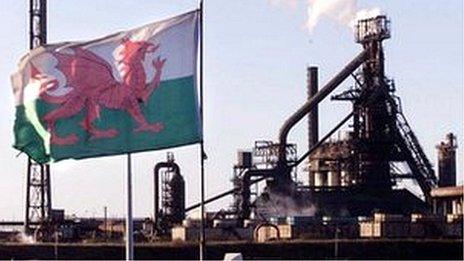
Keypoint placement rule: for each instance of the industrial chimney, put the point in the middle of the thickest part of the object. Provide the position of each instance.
(447, 161)
(313, 117)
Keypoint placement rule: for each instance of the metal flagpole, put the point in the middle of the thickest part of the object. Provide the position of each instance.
(129, 223)
(202, 148)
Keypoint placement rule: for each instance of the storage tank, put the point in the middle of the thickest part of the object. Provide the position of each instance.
(320, 178)
(333, 178)
(311, 178)
(344, 178)
(172, 211)
(175, 202)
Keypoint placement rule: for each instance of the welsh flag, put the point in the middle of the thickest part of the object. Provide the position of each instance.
(127, 92)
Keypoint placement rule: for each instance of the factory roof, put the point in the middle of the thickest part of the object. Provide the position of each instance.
(443, 192)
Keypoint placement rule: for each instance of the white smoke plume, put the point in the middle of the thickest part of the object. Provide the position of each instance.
(344, 12)
(283, 205)
(25, 239)
(284, 3)
(367, 13)
(340, 11)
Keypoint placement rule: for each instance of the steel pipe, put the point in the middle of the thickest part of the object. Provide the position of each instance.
(231, 191)
(316, 99)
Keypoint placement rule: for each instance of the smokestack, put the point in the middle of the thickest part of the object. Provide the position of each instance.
(313, 117)
(447, 161)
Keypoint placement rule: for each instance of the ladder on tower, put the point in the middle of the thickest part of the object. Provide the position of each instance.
(416, 158)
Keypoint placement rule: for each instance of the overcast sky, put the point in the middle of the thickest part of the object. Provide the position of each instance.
(256, 53)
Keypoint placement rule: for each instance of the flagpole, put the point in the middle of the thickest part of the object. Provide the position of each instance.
(129, 221)
(202, 148)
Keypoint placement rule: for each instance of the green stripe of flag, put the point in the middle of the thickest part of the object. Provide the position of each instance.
(173, 103)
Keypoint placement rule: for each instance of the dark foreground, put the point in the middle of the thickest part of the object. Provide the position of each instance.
(309, 249)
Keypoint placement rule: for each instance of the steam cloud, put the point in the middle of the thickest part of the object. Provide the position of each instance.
(285, 3)
(25, 239)
(344, 12)
(283, 205)
(340, 11)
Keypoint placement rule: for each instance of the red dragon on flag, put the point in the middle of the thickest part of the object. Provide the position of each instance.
(95, 87)
(130, 91)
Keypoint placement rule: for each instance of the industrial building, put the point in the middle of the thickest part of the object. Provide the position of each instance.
(353, 181)
(352, 190)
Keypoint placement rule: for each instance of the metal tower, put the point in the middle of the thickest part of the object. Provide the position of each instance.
(381, 133)
(38, 194)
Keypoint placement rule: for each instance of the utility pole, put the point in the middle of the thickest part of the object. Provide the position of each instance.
(105, 220)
